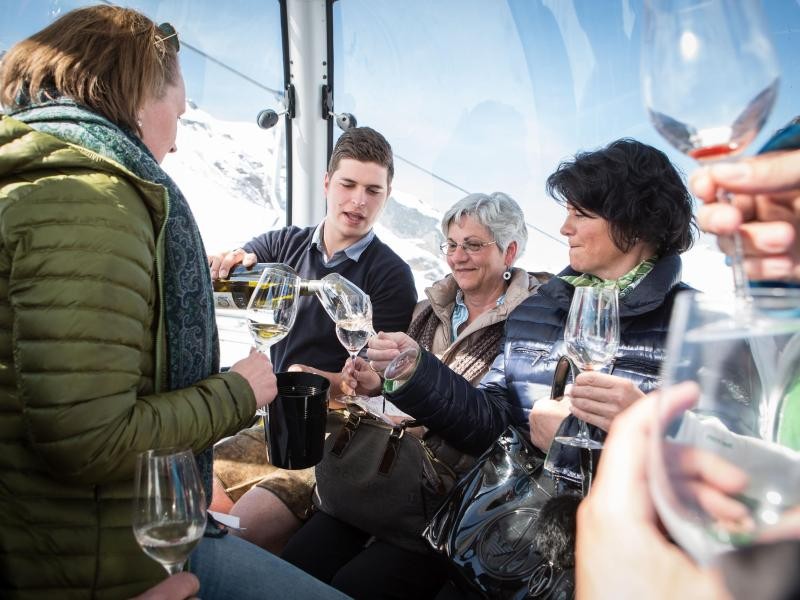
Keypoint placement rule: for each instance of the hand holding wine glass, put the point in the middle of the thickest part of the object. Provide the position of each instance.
(353, 328)
(170, 508)
(742, 421)
(272, 309)
(710, 79)
(591, 337)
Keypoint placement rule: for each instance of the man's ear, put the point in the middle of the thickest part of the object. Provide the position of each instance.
(326, 181)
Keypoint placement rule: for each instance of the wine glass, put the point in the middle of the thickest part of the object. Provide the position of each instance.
(710, 79)
(272, 309)
(353, 316)
(333, 290)
(169, 515)
(591, 336)
(725, 457)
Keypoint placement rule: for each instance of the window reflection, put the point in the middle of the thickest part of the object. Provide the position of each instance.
(495, 98)
(231, 172)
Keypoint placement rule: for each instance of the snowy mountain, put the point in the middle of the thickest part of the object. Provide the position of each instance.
(232, 175)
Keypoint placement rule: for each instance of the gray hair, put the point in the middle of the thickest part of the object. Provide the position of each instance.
(499, 213)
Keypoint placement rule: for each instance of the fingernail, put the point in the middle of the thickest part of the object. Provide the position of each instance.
(223, 273)
(731, 171)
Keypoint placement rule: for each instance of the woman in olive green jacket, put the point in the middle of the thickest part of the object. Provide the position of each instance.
(107, 337)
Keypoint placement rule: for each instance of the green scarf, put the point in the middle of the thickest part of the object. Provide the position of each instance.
(624, 284)
(192, 342)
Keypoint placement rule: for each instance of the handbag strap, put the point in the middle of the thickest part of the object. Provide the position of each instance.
(391, 451)
(564, 367)
(345, 435)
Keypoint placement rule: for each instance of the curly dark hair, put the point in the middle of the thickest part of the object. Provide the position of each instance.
(635, 188)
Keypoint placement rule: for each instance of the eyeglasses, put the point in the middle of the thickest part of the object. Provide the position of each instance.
(469, 247)
(169, 35)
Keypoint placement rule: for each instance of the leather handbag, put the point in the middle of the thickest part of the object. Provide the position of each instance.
(508, 525)
(382, 479)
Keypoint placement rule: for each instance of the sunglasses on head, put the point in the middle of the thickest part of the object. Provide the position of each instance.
(169, 34)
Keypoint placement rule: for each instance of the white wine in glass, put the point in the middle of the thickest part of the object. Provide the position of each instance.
(353, 316)
(709, 80)
(591, 337)
(272, 308)
(169, 515)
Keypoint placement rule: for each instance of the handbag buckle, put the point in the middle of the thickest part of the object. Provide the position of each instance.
(392, 450)
(345, 435)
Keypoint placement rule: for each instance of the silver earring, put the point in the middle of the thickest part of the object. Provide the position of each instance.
(139, 122)
(507, 274)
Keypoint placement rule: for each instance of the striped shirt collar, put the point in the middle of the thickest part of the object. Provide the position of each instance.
(353, 251)
(461, 312)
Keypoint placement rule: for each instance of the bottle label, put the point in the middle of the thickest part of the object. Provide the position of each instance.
(224, 300)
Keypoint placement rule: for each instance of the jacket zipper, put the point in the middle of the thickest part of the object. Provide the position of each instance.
(160, 366)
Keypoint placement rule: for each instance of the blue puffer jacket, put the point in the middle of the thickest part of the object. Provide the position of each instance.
(472, 418)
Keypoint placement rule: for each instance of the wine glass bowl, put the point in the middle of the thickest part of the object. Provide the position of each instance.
(709, 81)
(340, 296)
(272, 308)
(709, 73)
(591, 339)
(724, 461)
(353, 317)
(170, 508)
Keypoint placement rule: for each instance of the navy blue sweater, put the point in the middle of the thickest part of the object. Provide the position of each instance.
(379, 272)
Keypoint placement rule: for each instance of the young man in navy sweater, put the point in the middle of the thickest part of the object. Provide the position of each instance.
(356, 187)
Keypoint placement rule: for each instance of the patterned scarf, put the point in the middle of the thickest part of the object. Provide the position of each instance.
(192, 343)
(624, 284)
(477, 358)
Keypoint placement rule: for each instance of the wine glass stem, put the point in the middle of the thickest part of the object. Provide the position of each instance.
(583, 430)
(737, 256)
(352, 395)
(173, 568)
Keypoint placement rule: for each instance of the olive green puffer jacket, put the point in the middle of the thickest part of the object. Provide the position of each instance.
(81, 358)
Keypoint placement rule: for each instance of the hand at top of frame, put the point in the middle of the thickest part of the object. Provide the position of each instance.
(766, 203)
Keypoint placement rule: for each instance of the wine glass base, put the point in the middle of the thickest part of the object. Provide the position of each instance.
(579, 442)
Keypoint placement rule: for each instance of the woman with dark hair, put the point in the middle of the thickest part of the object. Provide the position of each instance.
(629, 216)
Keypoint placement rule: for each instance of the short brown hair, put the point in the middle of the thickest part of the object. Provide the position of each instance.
(363, 144)
(107, 58)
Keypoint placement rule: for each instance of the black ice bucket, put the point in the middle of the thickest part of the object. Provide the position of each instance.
(295, 433)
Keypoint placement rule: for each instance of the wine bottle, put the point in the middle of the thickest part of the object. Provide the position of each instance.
(235, 291)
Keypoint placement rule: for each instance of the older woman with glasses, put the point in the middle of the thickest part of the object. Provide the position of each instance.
(461, 323)
(109, 344)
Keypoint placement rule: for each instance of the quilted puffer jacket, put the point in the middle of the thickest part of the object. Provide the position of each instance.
(472, 418)
(81, 360)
